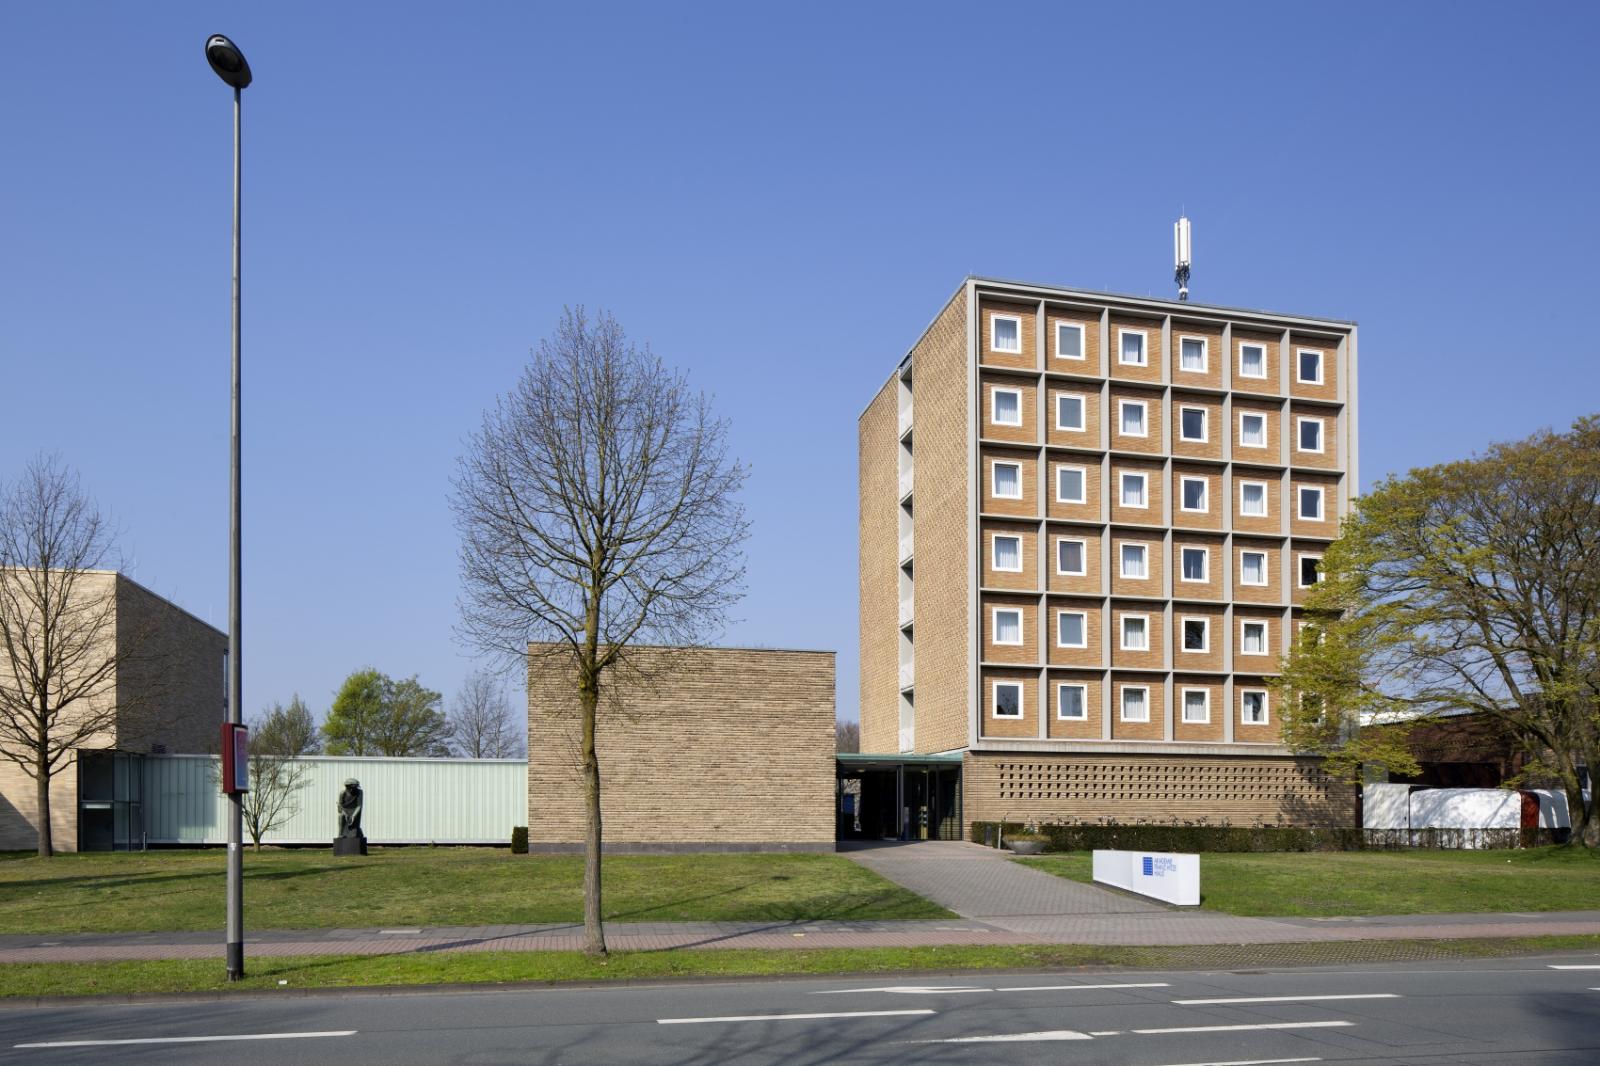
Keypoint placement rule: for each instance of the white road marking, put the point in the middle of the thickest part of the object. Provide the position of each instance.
(1074, 988)
(1555, 967)
(399, 932)
(906, 990)
(1013, 1038)
(1241, 1028)
(792, 1017)
(186, 1039)
(1246, 1062)
(1105, 1032)
(1283, 999)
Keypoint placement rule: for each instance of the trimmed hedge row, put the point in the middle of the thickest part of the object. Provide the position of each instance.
(1218, 838)
(519, 840)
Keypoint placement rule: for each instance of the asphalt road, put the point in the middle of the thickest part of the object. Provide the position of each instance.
(1519, 1011)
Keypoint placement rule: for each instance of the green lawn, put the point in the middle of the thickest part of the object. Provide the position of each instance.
(1328, 884)
(310, 889)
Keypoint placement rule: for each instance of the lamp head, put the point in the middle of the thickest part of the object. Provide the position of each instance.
(226, 59)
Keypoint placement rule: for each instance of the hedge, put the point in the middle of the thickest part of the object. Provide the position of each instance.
(519, 840)
(1218, 838)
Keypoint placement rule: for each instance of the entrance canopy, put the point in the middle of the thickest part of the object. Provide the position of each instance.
(898, 797)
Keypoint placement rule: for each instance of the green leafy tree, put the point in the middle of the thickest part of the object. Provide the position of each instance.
(1469, 586)
(352, 721)
(373, 714)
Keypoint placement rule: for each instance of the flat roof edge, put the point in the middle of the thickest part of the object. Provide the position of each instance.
(1155, 301)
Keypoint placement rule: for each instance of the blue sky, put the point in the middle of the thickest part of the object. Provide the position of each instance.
(776, 199)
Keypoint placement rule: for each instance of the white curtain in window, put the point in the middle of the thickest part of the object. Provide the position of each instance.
(1133, 347)
(1132, 560)
(1007, 407)
(1007, 627)
(1193, 355)
(1253, 362)
(1133, 634)
(1255, 707)
(1133, 419)
(1132, 490)
(1253, 499)
(1007, 553)
(1255, 640)
(1194, 707)
(1194, 495)
(1133, 708)
(1254, 569)
(1005, 335)
(1253, 430)
(1007, 480)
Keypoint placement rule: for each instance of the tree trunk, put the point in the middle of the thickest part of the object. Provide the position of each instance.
(594, 935)
(41, 782)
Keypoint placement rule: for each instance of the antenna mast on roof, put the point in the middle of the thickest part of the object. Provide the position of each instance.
(1180, 256)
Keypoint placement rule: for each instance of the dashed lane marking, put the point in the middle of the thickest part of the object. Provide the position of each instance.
(185, 1039)
(791, 1017)
(1283, 999)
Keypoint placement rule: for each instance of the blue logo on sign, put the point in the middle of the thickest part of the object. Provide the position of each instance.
(1149, 866)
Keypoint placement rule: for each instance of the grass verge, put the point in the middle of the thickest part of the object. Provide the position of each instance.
(33, 980)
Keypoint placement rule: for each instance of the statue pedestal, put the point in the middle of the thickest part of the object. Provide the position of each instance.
(356, 845)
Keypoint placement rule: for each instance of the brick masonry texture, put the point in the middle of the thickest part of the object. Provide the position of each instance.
(879, 540)
(717, 747)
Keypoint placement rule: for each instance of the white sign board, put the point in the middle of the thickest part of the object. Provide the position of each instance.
(1158, 874)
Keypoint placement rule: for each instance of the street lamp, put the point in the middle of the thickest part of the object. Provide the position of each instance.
(230, 65)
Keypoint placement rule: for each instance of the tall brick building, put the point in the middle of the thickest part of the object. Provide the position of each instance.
(1086, 524)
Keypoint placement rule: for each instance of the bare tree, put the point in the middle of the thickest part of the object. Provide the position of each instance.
(60, 645)
(484, 727)
(846, 736)
(598, 509)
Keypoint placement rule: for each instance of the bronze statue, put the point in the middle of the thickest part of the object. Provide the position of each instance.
(350, 841)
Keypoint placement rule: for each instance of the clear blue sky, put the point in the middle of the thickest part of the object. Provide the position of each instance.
(777, 199)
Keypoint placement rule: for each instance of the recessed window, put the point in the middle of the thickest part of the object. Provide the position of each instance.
(1192, 354)
(1069, 484)
(1310, 435)
(1309, 368)
(1253, 499)
(1192, 424)
(1252, 429)
(1135, 561)
(1072, 702)
(1007, 478)
(1008, 553)
(1072, 630)
(1253, 706)
(1069, 411)
(1005, 334)
(1311, 503)
(1070, 557)
(1195, 564)
(1130, 347)
(1194, 494)
(1069, 340)
(1135, 632)
(1007, 699)
(1252, 360)
(1007, 625)
(1005, 407)
(1135, 703)
(1252, 638)
(1131, 418)
(1197, 705)
(1197, 634)
(1133, 490)
(1310, 570)
(1252, 568)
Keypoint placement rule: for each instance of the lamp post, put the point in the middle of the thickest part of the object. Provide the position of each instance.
(229, 63)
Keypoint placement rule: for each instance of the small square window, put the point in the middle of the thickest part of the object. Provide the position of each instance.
(1196, 561)
(1072, 703)
(1194, 494)
(1311, 503)
(1130, 351)
(1069, 484)
(1252, 638)
(1005, 334)
(1310, 366)
(1196, 634)
(1007, 625)
(1310, 570)
(1252, 429)
(1132, 418)
(1134, 560)
(1197, 705)
(1069, 340)
(1071, 630)
(1006, 407)
(1252, 568)
(1252, 360)
(1253, 499)
(1070, 557)
(1007, 699)
(1135, 703)
(1133, 490)
(1069, 411)
(1192, 424)
(1007, 481)
(1310, 434)
(1253, 707)
(1135, 632)
(1192, 354)
(1008, 553)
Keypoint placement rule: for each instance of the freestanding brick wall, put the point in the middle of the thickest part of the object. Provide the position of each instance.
(718, 749)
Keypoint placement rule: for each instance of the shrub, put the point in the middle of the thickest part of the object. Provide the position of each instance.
(519, 840)
(1191, 837)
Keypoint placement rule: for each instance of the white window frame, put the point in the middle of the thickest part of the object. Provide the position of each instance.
(1205, 424)
(1083, 412)
(1144, 347)
(1205, 494)
(1083, 616)
(1322, 357)
(1122, 631)
(1144, 417)
(1083, 702)
(1266, 435)
(1083, 556)
(1266, 574)
(1122, 563)
(994, 340)
(1083, 483)
(1300, 503)
(1183, 636)
(1299, 437)
(994, 628)
(1266, 713)
(1183, 706)
(994, 405)
(994, 482)
(1122, 702)
(1022, 700)
(1266, 500)
(1144, 489)
(1263, 349)
(1300, 574)
(1266, 637)
(1205, 564)
(1205, 355)
(994, 553)
(1083, 347)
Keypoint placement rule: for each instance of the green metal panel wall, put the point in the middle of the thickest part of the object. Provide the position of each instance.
(408, 801)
